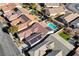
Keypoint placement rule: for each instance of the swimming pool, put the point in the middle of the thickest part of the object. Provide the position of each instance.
(52, 26)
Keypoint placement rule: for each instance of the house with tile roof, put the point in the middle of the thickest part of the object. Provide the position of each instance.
(55, 11)
(28, 14)
(16, 12)
(57, 47)
(7, 6)
(21, 18)
(22, 22)
(31, 31)
(71, 17)
(40, 50)
(13, 14)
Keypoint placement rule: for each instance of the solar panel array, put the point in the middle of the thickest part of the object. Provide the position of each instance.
(34, 38)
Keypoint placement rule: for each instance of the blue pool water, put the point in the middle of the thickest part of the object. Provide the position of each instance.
(52, 26)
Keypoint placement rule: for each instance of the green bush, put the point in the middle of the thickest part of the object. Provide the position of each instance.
(13, 29)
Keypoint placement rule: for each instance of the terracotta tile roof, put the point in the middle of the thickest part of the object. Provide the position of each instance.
(22, 26)
(56, 10)
(71, 17)
(8, 13)
(14, 17)
(43, 24)
(34, 28)
(11, 15)
(25, 34)
(38, 32)
(24, 16)
(24, 11)
(30, 16)
(22, 22)
(8, 6)
(14, 22)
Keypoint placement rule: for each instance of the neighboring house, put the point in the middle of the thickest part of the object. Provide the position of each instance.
(60, 44)
(55, 11)
(16, 12)
(64, 45)
(59, 47)
(22, 22)
(13, 14)
(52, 4)
(41, 48)
(7, 6)
(21, 18)
(34, 30)
(71, 17)
(27, 13)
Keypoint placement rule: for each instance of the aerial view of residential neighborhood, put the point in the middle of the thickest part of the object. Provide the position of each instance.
(39, 29)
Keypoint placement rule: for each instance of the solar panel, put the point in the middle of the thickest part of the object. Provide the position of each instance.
(35, 39)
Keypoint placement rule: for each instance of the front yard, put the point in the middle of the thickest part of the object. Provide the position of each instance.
(64, 36)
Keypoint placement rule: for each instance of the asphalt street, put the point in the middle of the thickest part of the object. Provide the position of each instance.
(7, 46)
(74, 7)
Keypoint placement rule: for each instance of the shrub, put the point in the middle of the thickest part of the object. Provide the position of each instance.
(13, 29)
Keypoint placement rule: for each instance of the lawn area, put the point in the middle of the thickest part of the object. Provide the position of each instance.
(63, 35)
